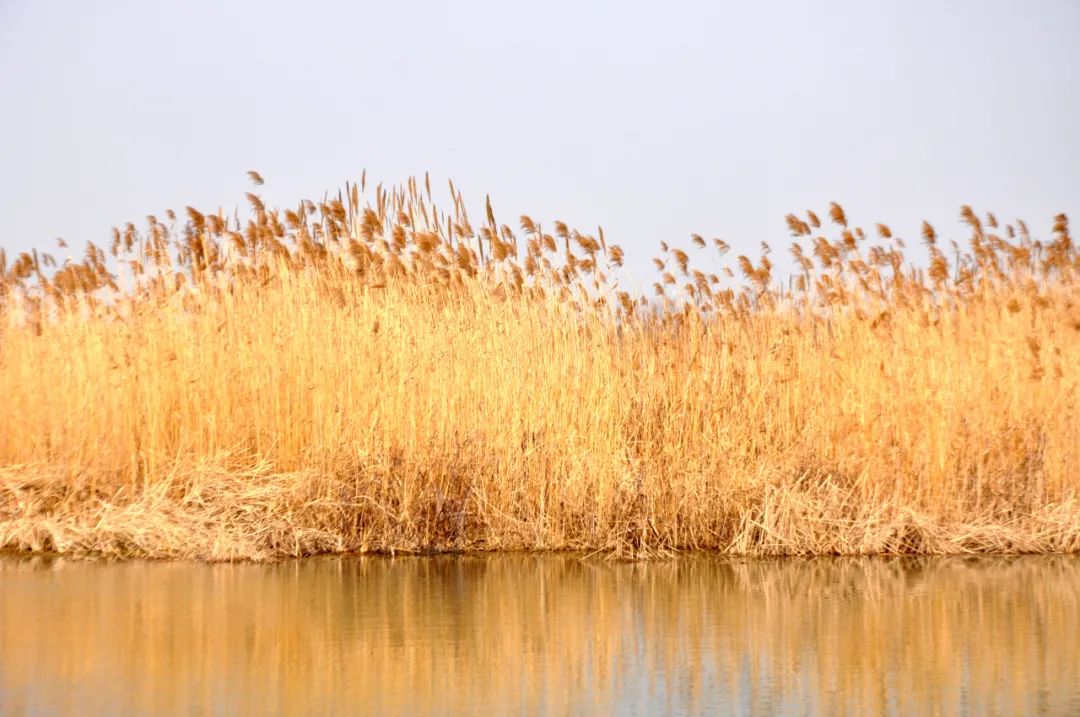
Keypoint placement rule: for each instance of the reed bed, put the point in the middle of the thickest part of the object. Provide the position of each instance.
(376, 374)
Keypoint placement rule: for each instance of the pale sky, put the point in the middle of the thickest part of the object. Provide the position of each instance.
(652, 120)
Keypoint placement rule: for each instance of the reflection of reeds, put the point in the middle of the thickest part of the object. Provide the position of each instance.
(519, 634)
(386, 376)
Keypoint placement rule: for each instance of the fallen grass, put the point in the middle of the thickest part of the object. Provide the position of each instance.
(384, 377)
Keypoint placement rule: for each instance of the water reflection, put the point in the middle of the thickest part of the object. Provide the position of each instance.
(542, 635)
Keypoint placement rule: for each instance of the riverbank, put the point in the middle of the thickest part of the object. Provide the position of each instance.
(383, 377)
(258, 516)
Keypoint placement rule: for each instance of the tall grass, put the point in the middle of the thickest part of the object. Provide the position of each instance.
(381, 375)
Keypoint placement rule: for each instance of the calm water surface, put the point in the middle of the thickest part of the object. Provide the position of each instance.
(541, 635)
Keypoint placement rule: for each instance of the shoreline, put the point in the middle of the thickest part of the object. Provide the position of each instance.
(287, 526)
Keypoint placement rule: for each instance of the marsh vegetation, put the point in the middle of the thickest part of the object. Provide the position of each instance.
(374, 373)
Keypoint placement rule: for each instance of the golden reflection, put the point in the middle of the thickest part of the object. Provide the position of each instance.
(541, 634)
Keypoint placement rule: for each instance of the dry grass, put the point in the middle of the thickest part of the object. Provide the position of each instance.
(387, 377)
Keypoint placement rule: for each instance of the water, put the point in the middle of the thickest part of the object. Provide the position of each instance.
(541, 635)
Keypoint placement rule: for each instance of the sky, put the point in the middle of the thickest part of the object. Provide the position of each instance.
(651, 120)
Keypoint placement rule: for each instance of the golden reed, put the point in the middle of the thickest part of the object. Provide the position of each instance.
(382, 375)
